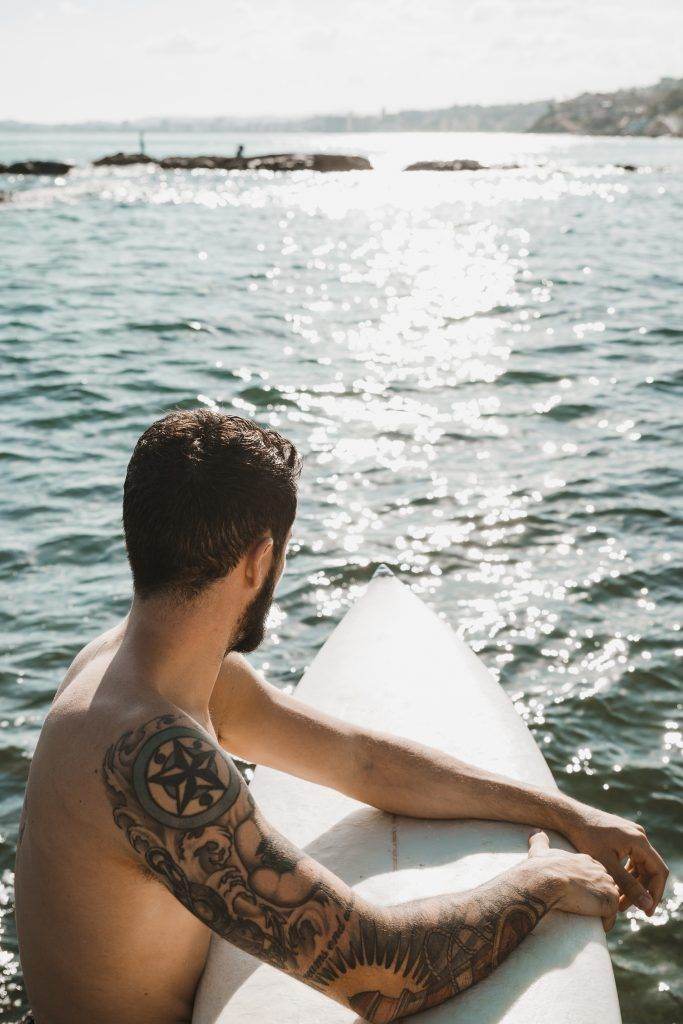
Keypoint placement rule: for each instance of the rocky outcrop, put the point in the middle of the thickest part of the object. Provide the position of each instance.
(447, 165)
(666, 124)
(280, 162)
(211, 163)
(340, 162)
(49, 167)
(458, 165)
(123, 160)
(270, 162)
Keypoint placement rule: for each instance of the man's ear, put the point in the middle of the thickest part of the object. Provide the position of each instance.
(257, 563)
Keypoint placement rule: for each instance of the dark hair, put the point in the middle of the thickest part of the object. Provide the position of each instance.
(201, 488)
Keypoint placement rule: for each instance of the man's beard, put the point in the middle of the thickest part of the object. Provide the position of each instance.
(251, 629)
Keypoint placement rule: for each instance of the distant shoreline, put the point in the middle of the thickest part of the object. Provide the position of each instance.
(651, 111)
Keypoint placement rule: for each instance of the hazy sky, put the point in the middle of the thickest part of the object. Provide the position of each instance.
(64, 60)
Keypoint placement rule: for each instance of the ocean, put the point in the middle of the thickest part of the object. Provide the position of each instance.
(484, 374)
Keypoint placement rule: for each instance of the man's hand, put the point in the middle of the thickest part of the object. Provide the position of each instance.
(623, 848)
(586, 887)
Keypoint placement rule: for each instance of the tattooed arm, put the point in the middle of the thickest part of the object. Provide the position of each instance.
(188, 814)
(261, 723)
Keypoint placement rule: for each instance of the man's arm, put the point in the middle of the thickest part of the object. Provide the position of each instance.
(189, 817)
(260, 723)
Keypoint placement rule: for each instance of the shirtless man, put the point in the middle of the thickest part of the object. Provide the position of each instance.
(139, 836)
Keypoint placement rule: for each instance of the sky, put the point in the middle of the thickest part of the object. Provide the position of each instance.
(73, 60)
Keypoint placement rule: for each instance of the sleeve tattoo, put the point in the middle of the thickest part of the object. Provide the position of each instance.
(188, 814)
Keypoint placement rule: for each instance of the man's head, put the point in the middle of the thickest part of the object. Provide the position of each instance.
(204, 493)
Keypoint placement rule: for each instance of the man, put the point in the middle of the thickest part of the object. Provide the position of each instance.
(139, 837)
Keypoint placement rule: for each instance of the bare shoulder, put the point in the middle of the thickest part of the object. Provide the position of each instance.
(106, 644)
(170, 760)
(166, 774)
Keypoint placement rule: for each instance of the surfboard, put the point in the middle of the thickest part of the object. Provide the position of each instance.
(393, 664)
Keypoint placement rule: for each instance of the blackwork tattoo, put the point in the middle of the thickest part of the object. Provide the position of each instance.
(188, 814)
(181, 781)
(439, 961)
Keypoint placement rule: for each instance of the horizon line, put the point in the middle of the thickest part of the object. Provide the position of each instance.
(382, 112)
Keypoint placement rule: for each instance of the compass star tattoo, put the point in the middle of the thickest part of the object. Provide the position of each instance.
(182, 781)
(187, 774)
(189, 816)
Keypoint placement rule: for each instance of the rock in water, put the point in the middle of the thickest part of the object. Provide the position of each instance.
(123, 160)
(340, 162)
(447, 165)
(270, 162)
(51, 167)
(211, 163)
(280, 162)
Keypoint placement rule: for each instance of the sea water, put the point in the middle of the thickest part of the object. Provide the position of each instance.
(483, 372)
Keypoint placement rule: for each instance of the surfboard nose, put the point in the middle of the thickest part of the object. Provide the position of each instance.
(382, 570)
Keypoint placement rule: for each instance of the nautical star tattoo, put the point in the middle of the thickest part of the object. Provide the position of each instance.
(187, 812)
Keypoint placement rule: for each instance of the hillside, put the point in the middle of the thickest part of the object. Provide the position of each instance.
(655, 110)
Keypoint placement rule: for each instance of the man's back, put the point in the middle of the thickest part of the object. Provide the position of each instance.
(101, 940)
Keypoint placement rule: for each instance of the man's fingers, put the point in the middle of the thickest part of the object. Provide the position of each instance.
(538, 843)
(631, 889)
(650, 868)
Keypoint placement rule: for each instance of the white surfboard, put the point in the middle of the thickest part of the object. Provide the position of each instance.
(392, 664)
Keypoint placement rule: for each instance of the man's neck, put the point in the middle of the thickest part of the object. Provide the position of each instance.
(176, 650)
